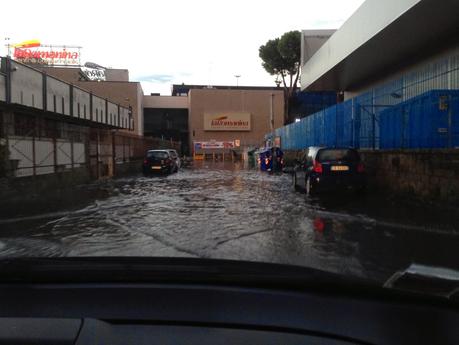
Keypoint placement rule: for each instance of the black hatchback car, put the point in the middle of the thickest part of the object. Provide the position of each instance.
(158, 161)
(321, 169)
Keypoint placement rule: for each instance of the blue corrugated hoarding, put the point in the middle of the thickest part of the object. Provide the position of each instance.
(430, 120)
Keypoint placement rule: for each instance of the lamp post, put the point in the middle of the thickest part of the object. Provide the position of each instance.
(237, 76)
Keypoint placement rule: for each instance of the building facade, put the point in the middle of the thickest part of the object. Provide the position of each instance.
(238, 116)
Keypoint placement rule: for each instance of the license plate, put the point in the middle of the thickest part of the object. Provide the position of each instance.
(155, 168)
(339, 168)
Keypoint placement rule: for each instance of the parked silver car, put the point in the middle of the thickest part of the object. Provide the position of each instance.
(174, 155)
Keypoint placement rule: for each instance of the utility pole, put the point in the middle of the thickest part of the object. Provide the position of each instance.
(237, 79)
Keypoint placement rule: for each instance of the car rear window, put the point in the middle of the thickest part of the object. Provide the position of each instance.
(157, 155)
(333, 155)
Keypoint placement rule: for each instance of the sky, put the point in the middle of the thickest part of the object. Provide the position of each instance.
(175, 41)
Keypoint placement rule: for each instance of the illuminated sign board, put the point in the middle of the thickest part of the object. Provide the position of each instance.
(227, 121)
(33, 52)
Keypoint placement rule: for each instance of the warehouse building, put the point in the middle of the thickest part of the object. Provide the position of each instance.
(396, 62)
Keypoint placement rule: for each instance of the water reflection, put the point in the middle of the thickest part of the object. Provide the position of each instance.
(223, 210)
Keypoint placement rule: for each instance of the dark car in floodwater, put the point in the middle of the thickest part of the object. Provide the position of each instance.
(326, 169)
(158, 161)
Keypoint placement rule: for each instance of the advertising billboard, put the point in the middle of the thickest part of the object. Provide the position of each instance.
(227, 121)
(33, 52)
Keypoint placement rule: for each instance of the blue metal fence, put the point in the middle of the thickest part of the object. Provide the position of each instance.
(430, 120)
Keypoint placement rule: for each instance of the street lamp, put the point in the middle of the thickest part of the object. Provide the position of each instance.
(237, 79)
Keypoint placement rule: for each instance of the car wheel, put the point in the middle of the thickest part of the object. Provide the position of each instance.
(294, 182)
(309, 186)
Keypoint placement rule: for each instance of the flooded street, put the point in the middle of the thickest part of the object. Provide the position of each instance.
(225, 211)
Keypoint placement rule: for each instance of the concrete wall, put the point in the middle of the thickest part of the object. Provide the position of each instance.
(26, 86)
(27, 90)
(258, 103)
(112, 114)
(124, 116)
(81, 98)
(138, 115)
(72, 75)
(165, 102)
(42, 193)
(370, 19)
(2, 88)
(115, 74)
(98, 109)
(125, 93)
(67, 74)
(432, 175)
(58, 96)
(311, 41)
(427, 175)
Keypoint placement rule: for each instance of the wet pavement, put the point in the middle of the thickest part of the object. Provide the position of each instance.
(221, 210)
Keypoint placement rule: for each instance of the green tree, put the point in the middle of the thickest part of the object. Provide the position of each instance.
(281, 57)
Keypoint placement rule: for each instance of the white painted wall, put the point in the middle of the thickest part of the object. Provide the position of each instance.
(98, 109)
(82, 98)
(112, 114)
(60, 91)
(26, 86)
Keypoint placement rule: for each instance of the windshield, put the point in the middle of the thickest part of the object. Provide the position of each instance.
(248, 103)
(327, 155)
(157, 154)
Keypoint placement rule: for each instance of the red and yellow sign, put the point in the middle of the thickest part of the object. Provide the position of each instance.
(33, 52)
(228, 121)
(27, 44)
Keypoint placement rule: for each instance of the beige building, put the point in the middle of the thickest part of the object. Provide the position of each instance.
(239, 116)
(115, 87)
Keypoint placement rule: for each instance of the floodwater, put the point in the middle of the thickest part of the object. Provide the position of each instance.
(225, 211)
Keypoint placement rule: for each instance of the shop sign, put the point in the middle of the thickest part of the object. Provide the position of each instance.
(205, 145)
(227, 121)
(33, 52)
(95, 74)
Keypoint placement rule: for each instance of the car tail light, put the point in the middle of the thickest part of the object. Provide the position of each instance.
(360, 168)
(319, 225)
(266, 161)
(168, 161)
(145, 161)
(317, 167)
